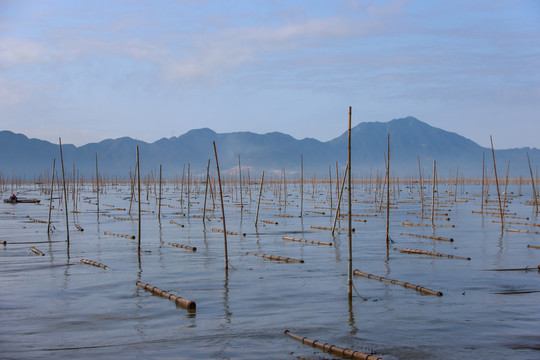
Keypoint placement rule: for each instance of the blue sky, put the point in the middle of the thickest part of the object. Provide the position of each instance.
(91, 70)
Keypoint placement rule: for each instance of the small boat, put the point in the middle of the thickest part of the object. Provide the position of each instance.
(22, 201)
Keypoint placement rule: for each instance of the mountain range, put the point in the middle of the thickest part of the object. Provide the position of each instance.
(410, 139)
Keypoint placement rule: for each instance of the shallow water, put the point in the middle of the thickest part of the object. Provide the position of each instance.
(54, 306)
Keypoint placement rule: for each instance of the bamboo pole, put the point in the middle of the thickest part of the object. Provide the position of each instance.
(330, 187)
(339, 199)
(175, 223)
(120, 235)
(533, 186)
(433, 191)
(497, 183)
(181, 302)
(240, 182)
(332, 229)
(94, 263)
(301, 185)
(406, 223)
(65, 192)
(206, 190)
(349, 260)
(192, 248)
(421, 183)
(97, 185)
(259, 201)
(506, 182)
(36, 251)
(50, 201)
(159, 200)
(332, 349)
(228, 232)
(483, 179)
(430, 237)
(222, 211)
(276, 257)
(288, 238)
(188, 188)
(388, 198)
(139, 202)
(431, 253)
(406, 285)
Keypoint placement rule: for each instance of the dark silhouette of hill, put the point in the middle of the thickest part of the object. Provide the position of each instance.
(409, 139)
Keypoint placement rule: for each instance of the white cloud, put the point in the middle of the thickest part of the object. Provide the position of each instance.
(20, 51)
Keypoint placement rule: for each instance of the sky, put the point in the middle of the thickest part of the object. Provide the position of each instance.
(92, 70)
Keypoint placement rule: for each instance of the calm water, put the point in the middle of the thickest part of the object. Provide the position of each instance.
(54, 306)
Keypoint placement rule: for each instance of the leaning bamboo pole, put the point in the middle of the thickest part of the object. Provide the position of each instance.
(222, 211)
(332, 349)
(288, 238)
(440, 238)
(339, 199)
(65, 193)
(276, 257)
(431, 253)
(406, 285)
(181, 302)
(533, 186)
(94, 263)
(206, 191)
(259, 201)
(36, 251)
(182, 246)
(497, 183)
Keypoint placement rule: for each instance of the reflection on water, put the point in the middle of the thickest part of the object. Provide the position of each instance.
(54, 306)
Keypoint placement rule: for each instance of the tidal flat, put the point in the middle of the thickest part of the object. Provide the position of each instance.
(55, 306)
